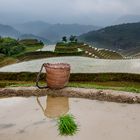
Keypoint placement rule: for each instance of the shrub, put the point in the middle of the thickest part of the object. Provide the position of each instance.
(66, 49)
(9, 46)
(16, 49)
(60, 44)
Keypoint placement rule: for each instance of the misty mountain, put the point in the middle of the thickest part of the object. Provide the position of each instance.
(124, 37)
(56, 31)
(33, 27)
(8, 31)
(31, 36)
(53, 32)
(128, 19)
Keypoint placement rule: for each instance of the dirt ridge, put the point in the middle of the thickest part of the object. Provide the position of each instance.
(94, 94)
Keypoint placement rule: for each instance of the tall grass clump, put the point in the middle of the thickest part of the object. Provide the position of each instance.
(67, 125)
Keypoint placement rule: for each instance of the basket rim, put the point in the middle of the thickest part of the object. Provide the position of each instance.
(57, 65)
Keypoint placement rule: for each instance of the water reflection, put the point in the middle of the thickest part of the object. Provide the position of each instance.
(55, 106)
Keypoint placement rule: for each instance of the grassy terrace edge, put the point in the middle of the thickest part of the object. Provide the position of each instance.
(74, 77)
(115, 81)
(46, 54)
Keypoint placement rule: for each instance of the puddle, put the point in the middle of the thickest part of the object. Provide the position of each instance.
(29, 119)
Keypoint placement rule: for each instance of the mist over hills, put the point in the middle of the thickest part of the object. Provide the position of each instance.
(127, 19)
(44, 31)
(6, 30)
(53, 32)
(32, 27)
(56, 31)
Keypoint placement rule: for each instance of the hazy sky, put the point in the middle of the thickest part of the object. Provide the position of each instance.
(67, 11)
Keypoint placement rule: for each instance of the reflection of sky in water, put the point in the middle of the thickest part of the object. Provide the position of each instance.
(135, 64)
(13, 101)
(47, 48)
(25, 120)
(79, 65)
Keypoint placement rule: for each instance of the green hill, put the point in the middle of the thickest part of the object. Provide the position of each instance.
(119, 37)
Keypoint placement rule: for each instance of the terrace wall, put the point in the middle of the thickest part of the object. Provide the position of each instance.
(90, 77)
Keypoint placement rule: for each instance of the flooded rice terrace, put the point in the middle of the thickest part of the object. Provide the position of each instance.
(47, 48)
(33, 119)
(79, 65)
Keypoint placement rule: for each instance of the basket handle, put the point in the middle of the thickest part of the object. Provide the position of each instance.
(38, 78)
(39, 103)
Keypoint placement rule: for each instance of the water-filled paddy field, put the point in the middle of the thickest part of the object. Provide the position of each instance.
(23, 119)
(79, 65)
(47, 48)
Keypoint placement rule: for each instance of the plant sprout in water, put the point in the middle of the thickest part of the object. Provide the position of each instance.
(67, 125)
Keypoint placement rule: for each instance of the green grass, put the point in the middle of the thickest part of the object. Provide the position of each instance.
(15, 84)
(7, 61)
(120, 86)
(67, 125)
(22, 85)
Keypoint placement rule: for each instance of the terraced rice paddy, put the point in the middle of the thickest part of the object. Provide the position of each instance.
(90, 52)
(101, 53)
(79, 65)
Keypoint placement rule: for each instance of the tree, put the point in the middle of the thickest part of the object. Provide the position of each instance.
(73, 38)
(76, 40)
(64, 39)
